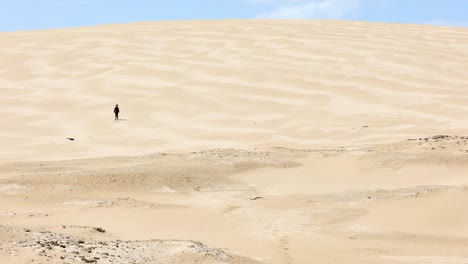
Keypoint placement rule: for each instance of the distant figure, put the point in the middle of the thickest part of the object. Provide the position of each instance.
(116, 112)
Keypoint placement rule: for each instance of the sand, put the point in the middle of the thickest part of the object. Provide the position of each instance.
(241, 141)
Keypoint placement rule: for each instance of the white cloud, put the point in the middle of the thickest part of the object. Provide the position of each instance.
(330, 9)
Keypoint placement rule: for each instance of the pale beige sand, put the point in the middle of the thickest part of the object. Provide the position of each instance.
(201, 84)
(305, 126)
(401, 202)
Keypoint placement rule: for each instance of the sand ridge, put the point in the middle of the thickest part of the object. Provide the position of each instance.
(189, 85)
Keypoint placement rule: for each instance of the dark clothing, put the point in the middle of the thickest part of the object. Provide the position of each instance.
(116, 112)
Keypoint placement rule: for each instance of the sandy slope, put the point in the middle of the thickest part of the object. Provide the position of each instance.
(242, 142)
(203, 84)
(396, 203)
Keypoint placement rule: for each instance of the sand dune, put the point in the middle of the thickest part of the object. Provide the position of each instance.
(206, 84)
(241, 141)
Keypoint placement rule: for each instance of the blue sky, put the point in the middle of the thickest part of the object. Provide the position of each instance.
(42, 14)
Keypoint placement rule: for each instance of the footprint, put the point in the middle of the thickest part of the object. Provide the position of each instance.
(285, 250)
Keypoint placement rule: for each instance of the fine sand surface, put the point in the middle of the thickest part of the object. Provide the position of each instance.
(249, 141)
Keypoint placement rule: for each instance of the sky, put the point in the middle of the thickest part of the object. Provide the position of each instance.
(18, 15)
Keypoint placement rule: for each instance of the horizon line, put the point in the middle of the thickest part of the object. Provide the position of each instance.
(233, 19)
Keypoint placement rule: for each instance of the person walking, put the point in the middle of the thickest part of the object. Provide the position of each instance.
(116, 112)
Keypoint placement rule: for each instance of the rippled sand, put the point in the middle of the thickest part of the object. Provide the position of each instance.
(243, 141)
(187, 85)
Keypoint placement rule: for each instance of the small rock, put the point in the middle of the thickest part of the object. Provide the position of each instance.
(100, 229)
(440, 137)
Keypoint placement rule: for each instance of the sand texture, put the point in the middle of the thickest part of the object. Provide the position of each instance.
(240, 141)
